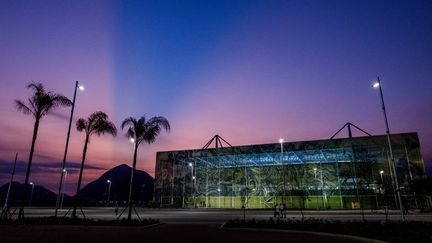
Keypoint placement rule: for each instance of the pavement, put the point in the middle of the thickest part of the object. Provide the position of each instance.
(182, 233)
(187, 225)
(219, 216)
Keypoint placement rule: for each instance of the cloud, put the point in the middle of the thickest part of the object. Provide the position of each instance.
(43, 167)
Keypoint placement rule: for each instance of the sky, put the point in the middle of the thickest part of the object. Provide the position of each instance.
(250, 71)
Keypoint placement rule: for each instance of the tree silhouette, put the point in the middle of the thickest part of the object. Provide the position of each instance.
(97, 123)
(142, 130)
(40, 104)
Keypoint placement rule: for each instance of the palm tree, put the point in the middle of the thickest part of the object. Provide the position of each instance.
(142, 130)
(40, 104)
(97, 123)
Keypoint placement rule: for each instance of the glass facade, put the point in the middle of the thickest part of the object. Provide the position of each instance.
(344, 173)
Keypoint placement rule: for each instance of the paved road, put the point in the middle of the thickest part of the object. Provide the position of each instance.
(182, 233)
(183, 225)
(219, 216)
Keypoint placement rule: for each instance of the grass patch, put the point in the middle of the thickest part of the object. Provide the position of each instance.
(385, 231)
(78, 221)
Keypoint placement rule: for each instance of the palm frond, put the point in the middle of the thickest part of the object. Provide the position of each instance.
(160, 121)
(20, 106)
(36, 86)
(145, 130)
(97, 123)
(50, 101)
(81, 124)
(130, 121)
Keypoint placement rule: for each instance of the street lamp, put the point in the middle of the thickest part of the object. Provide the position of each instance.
(283, 169)
(80, 87)
(31, 194)
(109, 192)
(377, 84)
(63, 187)
(192, 182)
(381, 174)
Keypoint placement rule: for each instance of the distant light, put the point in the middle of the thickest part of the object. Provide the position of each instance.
(31, 183)
(315, 169)
(381, 172)
(64, 170)
(190, 164)
(193, 177)
(253, 189)
(109, 181)
(376, 85)
(81, 88)
(132, 140)
(218, 189)
(281, 140)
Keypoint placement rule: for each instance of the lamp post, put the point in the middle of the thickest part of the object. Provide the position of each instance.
(31, 193)
(384, 194)
(192, 183)
(63, 187)
(5, 211)
(109, 192)
(377, 84)
(283, 170)
(219, 195)
(66, 148)
(381, 175)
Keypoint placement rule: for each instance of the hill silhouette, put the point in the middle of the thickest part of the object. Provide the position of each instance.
(96, 192)
(41, 195)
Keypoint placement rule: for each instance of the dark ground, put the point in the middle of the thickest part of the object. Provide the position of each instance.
(162, 233)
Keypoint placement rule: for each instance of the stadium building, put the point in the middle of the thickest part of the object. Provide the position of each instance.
(347, 173)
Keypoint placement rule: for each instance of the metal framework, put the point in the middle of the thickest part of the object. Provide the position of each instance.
(335, 173)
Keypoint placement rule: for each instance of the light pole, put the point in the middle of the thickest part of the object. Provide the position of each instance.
(382, 180)
(377, 84)
(109, 192)
(219, 199)
(192, 182)
(66, 148)
(5, 211)
(283, 170)
(133, 141)
(31, 193)
(63, 187)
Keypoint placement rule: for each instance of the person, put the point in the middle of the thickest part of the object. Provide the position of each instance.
(283, 211)
(116, 209)
(276, 211)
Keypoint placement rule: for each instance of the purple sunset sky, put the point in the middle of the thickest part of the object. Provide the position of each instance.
(250, 71)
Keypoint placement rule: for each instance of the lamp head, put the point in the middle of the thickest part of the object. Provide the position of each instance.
(281, 140)
(381, 172)
(190, 164)
(109, 181)
(132, 140)
(81, 88)
(376, 84)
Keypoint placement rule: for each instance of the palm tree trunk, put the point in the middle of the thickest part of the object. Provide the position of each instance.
(77, 199)
(131, 181)
(35, 132)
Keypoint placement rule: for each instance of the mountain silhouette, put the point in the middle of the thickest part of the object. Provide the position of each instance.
(41, 196)
(96, 192)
